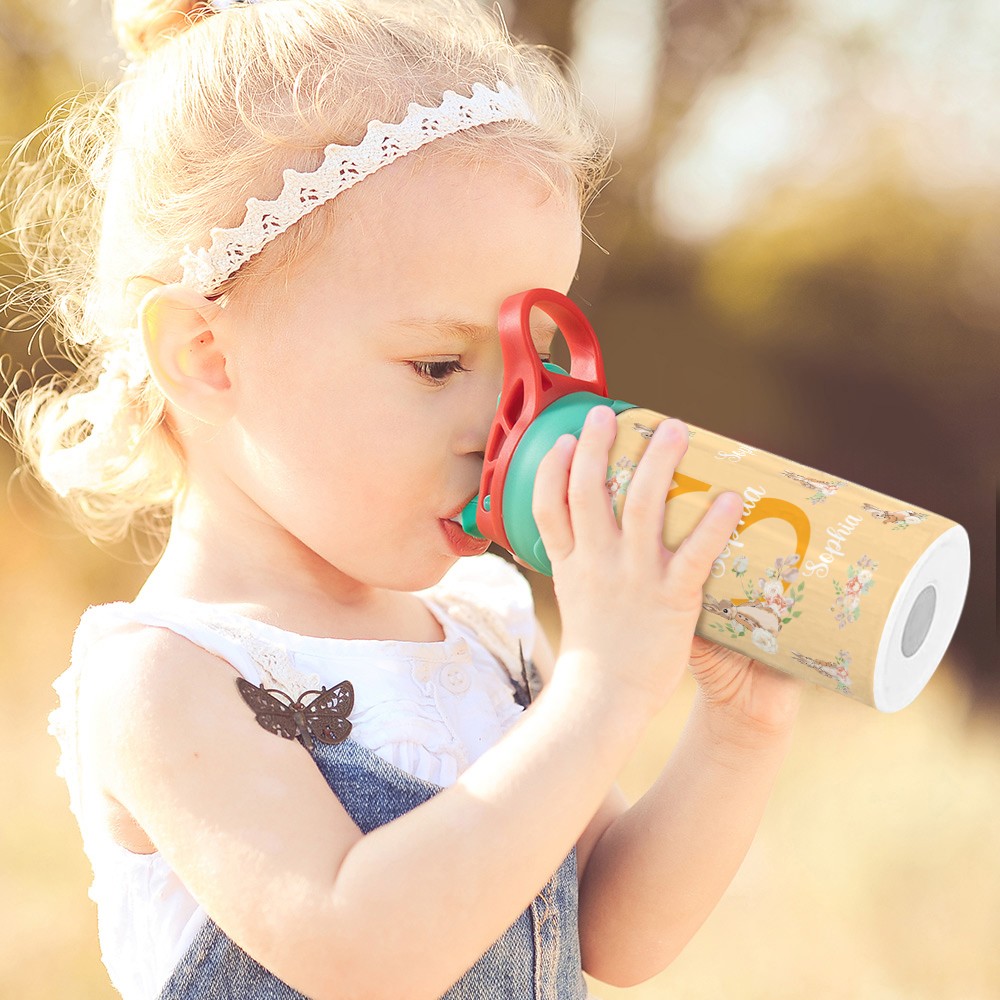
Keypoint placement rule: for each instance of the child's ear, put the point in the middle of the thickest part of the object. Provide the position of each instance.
(187, 354)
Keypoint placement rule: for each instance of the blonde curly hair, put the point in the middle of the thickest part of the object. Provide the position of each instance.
(213, 107)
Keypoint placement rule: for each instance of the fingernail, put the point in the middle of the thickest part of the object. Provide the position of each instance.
(733, 502)
(597, 415)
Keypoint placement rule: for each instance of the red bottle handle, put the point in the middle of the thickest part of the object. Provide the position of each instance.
(528, 388)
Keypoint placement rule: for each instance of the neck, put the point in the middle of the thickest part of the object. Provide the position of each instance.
(242, 558)
(245, 560)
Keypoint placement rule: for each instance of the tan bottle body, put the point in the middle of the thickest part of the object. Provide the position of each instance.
(847, 587)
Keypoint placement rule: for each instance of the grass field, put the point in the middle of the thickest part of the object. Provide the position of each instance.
(875, 875)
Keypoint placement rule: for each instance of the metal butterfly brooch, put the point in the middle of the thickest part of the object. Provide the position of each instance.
(324, 718)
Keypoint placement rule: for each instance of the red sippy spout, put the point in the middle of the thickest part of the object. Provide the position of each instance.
(528, 388)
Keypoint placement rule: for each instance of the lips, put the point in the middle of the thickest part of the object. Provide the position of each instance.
(456, 514)
(460, 543)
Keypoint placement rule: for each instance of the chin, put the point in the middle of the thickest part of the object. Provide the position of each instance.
(419, 578)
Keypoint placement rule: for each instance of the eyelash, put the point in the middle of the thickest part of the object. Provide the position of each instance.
(425, 369)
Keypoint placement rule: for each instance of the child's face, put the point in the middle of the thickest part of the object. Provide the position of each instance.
(356, 435)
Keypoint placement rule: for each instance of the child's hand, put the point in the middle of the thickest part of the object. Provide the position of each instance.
(750, 693)
(628, 604)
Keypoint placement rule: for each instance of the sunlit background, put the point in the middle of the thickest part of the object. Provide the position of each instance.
(800, 250)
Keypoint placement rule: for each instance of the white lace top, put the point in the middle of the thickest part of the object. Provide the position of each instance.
(430, 708)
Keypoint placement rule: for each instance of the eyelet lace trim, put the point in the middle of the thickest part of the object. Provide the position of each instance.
(274, 662)
(342, 168)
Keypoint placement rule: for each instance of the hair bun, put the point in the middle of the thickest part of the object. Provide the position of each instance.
(142, 25)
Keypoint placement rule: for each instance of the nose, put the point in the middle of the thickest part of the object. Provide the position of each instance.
(482, 408)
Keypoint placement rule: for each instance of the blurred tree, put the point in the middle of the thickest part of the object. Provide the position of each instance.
(36, 72)
(550, 23)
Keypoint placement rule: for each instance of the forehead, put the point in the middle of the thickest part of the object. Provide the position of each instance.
(440, 243)
(446, 192)
(452, 164)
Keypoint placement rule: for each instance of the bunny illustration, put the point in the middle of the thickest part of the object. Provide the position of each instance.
(894, 516)
(647, 432)
(826, 487)
(828, 668)
(752, 615)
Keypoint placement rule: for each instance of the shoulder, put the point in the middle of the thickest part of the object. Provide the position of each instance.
(116, 644)
(169, 735)
(118, 658)
(145, 695)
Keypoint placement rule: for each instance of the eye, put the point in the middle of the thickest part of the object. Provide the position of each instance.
(437, 372)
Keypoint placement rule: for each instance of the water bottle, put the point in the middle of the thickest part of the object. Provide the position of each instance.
(825, 579)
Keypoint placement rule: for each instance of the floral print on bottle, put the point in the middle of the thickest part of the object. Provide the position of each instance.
(617, 481)
(847, 607)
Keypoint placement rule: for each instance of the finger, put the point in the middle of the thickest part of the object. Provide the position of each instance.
(692, 562)
(646, 497)
(549, 502)
(590, 507)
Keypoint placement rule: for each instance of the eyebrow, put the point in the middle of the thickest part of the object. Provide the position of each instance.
(442, 329)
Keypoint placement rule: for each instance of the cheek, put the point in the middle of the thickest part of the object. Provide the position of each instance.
(362, 435)
(294, 403)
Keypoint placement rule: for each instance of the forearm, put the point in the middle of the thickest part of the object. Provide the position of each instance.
(464, 865)
(659, 869)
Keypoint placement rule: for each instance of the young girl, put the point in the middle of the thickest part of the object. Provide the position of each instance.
(304, 216)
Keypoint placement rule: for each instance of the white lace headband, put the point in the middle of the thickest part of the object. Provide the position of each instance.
(342, 168)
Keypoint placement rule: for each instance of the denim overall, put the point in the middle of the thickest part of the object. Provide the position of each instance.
(536, 958)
